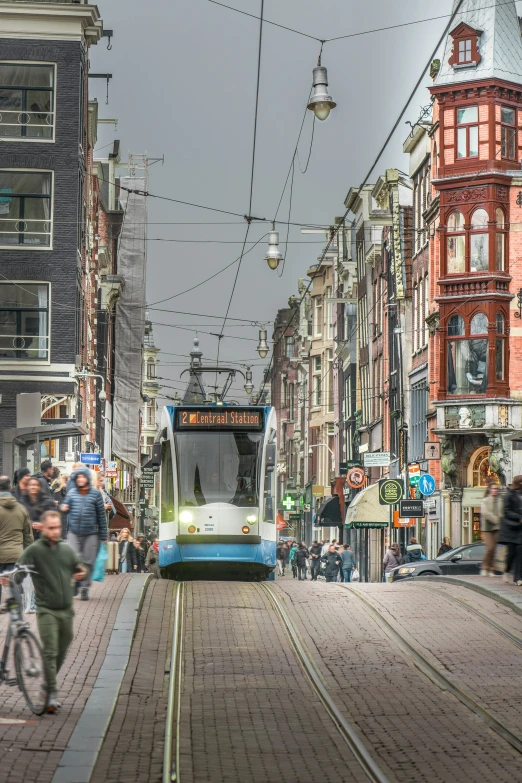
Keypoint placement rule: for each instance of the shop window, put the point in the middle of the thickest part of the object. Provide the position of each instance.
(26, 101)
(467, 132)
(456, 242)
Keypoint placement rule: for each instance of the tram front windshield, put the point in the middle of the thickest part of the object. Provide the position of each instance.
(218, 467)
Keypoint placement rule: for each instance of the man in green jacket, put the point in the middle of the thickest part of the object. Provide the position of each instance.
(56, 564)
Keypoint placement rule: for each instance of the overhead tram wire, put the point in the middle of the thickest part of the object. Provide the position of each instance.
(363, 183)
(252, 171)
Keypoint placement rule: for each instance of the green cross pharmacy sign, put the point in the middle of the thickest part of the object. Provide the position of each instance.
(289, 503)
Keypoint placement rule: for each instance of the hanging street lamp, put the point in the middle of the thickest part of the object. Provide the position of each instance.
(273, 256)
(262, 347)
(321, 103)
(249, 386)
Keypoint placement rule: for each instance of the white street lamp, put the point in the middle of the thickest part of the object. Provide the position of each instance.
(273, 256)
(249, 386)
(262, 347)
(321, 103)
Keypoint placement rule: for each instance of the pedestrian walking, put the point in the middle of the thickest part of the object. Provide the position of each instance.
(145, 545)
(347, 563)
(152, 559)
(55, 565)
(301, 555)
(326, 546)
(21, 480)
(510, 532)
(291, 558)
(139, 554)
(36, 502)
(392, 559)
(127, 552)
(491, 512)
(87, 523)
(281, 557)
(332, 561)
(414, 552)
(445, 546)
(315, 560)
(15, 528)
(46, 475)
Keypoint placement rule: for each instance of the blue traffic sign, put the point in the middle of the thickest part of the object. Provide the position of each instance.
(427, 484)
(90, 459)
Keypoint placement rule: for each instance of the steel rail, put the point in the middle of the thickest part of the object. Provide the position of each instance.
(437, 676)
(513, 637)
(348, 733)
(171, 770)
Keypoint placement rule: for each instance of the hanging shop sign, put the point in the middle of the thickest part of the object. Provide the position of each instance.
(317, 491)
(356, 478)
(377, 459)
(414, 474)
(411, 508)
(432, 450)
(390, 491)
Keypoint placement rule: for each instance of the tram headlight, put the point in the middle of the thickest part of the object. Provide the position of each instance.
(192, 529)
(251, 519)
(185, 517)
(245, 529)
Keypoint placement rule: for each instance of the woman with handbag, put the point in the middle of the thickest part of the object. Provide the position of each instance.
(152, 560)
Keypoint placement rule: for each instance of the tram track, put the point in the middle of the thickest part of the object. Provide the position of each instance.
(484, 616)
(436, 675)
(314, 677)
(171, 752)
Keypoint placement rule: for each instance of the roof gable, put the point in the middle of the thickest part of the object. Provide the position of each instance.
(462, 30)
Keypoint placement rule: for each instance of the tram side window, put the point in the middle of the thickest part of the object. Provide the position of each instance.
(167, 485)
(269, 494)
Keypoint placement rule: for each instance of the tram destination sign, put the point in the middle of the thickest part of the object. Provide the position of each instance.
(219, 419)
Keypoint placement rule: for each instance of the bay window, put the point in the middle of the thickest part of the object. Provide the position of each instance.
(24, 321)
(26, 101)
(456, 243)
(500, 240)
(475, 240)
(467, 132)
(468, 344)
(508, 133)
(500, 349)
(25, 208)
(479, 260)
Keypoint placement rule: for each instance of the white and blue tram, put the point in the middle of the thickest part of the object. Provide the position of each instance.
(218, 492)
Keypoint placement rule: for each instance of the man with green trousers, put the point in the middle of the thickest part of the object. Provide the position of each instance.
(56, 564)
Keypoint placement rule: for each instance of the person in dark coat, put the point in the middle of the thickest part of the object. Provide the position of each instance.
(445, 546)
(36, 502)
(510, 532)
(282, 558)
(140, 555)
(413, 552)
(21, 480)
(300, 557)
(332, 560)
(45, 476)
(315, 558)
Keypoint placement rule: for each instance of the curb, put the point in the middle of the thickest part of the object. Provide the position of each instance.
(502, 596)
(81, 754)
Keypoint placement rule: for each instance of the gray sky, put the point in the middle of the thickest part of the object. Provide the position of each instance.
(184, 77)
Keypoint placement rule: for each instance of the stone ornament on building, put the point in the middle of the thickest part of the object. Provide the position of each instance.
(498, 458)
(465, 421)
(466, 195)
(502, 192)
(449, 458)
(465, 417)
(503, 416)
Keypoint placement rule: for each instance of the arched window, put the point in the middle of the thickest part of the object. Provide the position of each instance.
(482, 473)
(500, 323)
(500, 217)
(456, 243)
(479, 241)
(479, 324)
(500, 240)
(456, 326)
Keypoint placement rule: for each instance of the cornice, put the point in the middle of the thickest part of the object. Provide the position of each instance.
(50, 21)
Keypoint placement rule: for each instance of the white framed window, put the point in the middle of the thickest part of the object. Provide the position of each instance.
(330, 378)
(318, 316)
(26, 208)
(151, 369)
(24, 322)
(27, 101)
(317, 382)
(415, 317)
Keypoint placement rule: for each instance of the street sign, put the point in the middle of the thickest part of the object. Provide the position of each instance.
(317, 491)
(90, 459)
(427, 484)
(377, 459)
(390, 491)
(432, 450)
(411, 508)
(294, 516)
(288, 503)
(347, 465)
(356, 478)
(414, 474)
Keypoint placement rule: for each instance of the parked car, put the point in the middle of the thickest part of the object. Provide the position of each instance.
(458, 562)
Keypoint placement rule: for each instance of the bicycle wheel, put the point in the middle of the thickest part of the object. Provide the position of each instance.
(30, 671)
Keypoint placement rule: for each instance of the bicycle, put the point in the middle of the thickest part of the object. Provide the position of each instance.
(28, 655)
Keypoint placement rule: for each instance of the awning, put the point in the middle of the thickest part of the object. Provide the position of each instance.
(329, 513)
(365, 510)
(121, 518)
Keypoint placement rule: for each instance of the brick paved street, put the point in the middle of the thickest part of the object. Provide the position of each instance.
(32, 751)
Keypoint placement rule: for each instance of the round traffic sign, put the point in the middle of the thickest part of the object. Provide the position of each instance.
(427, 484)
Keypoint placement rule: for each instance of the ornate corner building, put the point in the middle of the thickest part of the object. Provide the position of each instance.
(475, 256)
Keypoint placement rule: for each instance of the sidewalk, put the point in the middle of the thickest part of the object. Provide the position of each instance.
(31, 747)
(492, 587)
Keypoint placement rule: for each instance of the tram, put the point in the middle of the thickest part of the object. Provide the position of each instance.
(218, 500)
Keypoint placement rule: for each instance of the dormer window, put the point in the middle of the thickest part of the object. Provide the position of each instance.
(465, 51)
(465, 47)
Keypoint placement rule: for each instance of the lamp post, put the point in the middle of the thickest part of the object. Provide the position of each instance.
(321, 103)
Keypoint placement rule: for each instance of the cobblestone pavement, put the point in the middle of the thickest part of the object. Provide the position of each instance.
(415, 730)
(248, 713)
(30, 751)
(133, 747)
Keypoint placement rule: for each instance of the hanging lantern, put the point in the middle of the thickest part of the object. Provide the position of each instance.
(321, 103)
(273, 256)
(249, 386)
(262, 347)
